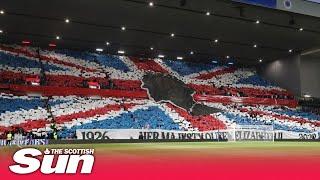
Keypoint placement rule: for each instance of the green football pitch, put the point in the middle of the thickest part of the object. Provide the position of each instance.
(197, 148)
(200, 160)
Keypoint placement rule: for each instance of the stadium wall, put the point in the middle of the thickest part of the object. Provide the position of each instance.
(306, 7)
(299, 74)
(309, 75)
(283, 72)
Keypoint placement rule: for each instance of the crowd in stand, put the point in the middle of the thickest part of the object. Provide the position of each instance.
(34, 116)
(20, 134)
(279, 117)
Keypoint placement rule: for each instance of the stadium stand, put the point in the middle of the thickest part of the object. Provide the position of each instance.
(70, 79)
(28, 113)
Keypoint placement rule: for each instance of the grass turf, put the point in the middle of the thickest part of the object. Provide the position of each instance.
(199, 148)
(201, 160)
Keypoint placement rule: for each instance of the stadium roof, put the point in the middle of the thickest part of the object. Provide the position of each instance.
(174, 28)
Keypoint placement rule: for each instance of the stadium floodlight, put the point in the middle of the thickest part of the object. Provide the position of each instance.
(208, 13)
(26, 42)
(66, 20)
(57, 37)
(179, 58)
(216, 40)
(260, 60)
(257, 22)
(172, 34)
(107, 43)
(255, 46)
(123, 28)
(151, 48)
(151, 4)
(301, 29)
(52, 45)
(1, 31)
(121, 52)
(99, 49)
(307, 96)
(160, 56)
(290, 50)
(2, 12)
(191, 52)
